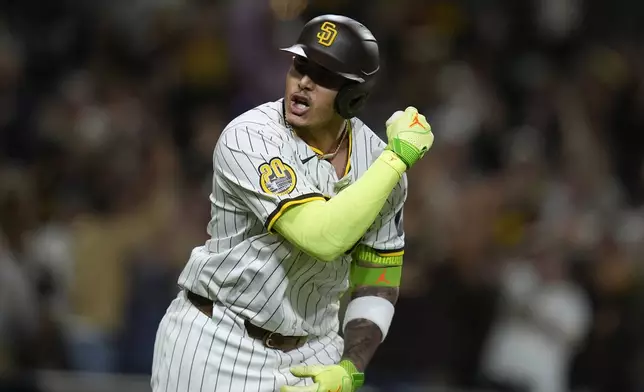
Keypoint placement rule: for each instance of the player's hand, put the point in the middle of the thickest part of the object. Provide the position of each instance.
(409, 134)
(332, 378)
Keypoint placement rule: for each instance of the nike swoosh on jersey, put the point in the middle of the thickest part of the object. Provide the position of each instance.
(305, 160)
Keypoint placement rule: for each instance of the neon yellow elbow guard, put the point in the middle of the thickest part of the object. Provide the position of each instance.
(327, 229)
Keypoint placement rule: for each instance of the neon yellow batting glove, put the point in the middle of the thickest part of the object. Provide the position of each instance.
(343, 377)
(410, 135)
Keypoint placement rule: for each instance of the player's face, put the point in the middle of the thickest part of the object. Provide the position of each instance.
(310, 94)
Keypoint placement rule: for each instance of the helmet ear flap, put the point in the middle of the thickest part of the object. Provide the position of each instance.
(352, 98)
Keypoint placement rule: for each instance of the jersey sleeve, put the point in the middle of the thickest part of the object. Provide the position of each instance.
(386, 236)
(262, 171)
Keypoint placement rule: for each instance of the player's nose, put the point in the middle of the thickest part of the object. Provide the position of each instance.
(306, 83)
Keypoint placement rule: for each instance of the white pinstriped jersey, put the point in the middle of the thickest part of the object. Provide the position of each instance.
(260, 168)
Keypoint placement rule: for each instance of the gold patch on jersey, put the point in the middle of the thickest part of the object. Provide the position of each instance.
(277, 177)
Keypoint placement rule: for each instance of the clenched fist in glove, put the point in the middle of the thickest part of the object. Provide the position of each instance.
(409, 134)
(343, 377)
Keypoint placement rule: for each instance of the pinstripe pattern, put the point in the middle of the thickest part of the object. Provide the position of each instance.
(257, 276)
(217, 355)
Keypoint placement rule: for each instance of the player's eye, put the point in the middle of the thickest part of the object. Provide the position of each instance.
(299, 63)
(318, 74)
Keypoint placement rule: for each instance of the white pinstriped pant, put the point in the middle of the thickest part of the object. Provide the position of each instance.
(195, 353)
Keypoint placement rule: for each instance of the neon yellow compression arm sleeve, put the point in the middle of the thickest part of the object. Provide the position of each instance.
(327, 229)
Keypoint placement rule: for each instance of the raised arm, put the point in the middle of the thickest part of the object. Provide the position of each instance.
(376, 271)
(343, 220)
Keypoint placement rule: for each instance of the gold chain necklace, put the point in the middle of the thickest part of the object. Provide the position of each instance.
(323, 156)
(337, 149)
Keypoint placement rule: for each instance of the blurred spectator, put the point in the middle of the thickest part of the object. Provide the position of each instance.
(611, 357)
(541, 321)
(19, 324)
(104, 239)
(29, 331)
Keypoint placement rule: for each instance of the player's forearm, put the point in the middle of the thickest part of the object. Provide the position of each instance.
(328, 229)
(362, 337)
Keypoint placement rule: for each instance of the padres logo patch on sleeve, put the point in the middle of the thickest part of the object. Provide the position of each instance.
(277, 177)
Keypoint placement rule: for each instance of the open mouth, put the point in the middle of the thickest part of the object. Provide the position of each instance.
(300, 103)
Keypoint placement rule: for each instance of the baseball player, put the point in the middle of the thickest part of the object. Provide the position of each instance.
(306, 204)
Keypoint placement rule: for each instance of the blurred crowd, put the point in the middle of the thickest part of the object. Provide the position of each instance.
(525, 223)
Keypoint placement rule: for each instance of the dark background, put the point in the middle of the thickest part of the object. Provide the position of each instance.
(109, 111)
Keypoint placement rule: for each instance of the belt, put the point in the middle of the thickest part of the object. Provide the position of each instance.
(272, 340)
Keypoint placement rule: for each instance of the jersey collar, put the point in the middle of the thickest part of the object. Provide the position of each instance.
(319, 153)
